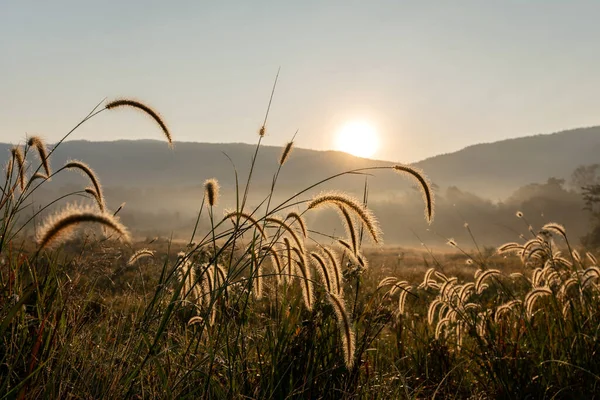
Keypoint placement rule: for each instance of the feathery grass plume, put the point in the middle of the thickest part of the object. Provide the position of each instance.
(484, 276)
(254, 222)
(18, 156)
(149, 111)
(286, 152)
(591, 257)
(40, 146)
(516, 275)
(195, 320)
(509, 248)
(532, 296)
(275, 262)
(346, 331)
(593, 270)
(399, 285)
(85, 169)
(402, 299)
(452, 242)
(427, 276)
(287, 277)
(349, 225)
(356, 257)
(390, 280)
(262, 131)
(334, 264)
(323, 271)
(307, 283)
(279, 222)
(505, 308)
(564, 289)
(440, 275)
(425, 188)
(587, 281)
(187, 277)
(465, 291)
(211, 191)
(91, 191)
(555, 228)
(363, 213)
(576, 256)
(440, 326)
(143, 253)
(431, 310)
(469, 261)
(298, 218)
(38, 175)
(483, 287)
(59, 227)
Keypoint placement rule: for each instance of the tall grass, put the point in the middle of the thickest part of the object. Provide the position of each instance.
(260, 306)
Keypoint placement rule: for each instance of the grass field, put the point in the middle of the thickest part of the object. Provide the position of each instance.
(262, 307)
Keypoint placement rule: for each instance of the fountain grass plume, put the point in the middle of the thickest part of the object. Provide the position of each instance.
(346, 331)
(334, 264)
(275, 262)
(425, 186)
(40, 146)
(17, 155)
(60, 227)
(323, 271)
(85, 169)
(298, 218)
(306, 283)
(146, 109)
(363, 213)
(91, 191)
(254, 222)
(349, 224)
(279, 222)
(138, 255)
(211, 191)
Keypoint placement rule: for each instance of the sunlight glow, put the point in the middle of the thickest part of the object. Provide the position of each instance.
(358, 138)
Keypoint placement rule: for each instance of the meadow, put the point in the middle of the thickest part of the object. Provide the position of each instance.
(261, 306)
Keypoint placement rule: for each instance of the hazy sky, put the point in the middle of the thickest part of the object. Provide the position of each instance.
(432, 77)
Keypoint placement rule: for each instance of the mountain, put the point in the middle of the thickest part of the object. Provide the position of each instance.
(163, 186)
(490, 170)
(494, 170)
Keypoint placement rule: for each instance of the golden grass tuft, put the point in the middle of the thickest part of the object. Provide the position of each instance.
(323, 271)
(336, 269)
(146, 109)
(85, 169)
(138, 255)
(298, 218)
(211, 191)
(363, 213)
(425, 186)
(60, 227)
(346, 331)
(254, 222)
(17, 155)
(40, 146)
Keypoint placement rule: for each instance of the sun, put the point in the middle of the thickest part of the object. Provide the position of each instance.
(358, 138)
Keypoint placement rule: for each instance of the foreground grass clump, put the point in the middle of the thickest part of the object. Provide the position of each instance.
(262, 307)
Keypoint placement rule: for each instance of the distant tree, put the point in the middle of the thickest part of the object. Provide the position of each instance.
(585, 176)
(591, 198)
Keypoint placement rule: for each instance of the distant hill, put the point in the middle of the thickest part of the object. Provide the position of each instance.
(163, 187)
(495, 170)
(491, 170)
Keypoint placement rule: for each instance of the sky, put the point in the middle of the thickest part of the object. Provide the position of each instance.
(430, 77)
